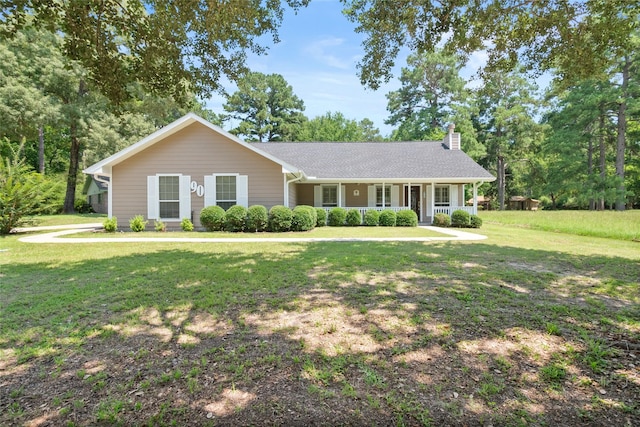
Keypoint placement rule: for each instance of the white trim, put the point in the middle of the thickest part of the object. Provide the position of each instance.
(185, 197)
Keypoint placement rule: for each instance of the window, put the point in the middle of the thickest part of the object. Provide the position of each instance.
(226, 191)
(441, 196)
(329, 195)
(169, 196)
(387, 195)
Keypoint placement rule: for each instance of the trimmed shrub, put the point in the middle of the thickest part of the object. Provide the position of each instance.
(159, 226)
(82, 206)
(442, 220)
(371, 217)
(110, 224)
(137, 223)
(387, 218)
(337, 216)
(407, 218)
(354, 218)
(212, 218)
(257, 218)
(304, 218)
(235, 218)
(460, 218)
(186, 225)
(280, 218)
(475, 221)
(321, 221)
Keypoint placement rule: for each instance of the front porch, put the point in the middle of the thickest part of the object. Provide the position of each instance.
(426, 199)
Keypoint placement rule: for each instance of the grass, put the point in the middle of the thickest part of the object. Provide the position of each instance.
(608, 224)
(406, 333)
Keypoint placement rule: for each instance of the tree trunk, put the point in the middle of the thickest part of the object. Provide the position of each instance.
(41, 150)
(74, 157)
(622, 131)
(603, 156)
(592, 202)
(501, 184)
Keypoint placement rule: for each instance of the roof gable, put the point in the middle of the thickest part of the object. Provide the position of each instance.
(104, 166)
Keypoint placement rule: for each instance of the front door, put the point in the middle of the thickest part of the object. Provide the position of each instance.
(413, 196)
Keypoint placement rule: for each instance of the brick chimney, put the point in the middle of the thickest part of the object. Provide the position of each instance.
(452, 139)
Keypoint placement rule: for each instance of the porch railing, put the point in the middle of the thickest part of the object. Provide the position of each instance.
(363, 210)
(449, 209)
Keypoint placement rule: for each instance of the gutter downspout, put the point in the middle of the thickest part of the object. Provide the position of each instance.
(109, 192)
(286, 187)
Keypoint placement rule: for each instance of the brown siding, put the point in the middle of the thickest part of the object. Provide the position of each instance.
(304, 194)
(195, 151)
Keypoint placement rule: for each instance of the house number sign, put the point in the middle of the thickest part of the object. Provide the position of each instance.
(197, 188)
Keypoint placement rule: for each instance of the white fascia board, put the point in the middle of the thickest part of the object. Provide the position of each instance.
(170, 129)
(469, 180)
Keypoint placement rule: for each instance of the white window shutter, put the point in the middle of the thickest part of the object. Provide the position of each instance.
(395, 195)
(317, 196)
(209, 190)
(185, 197)
(453, 195)
(371, 193)
(343, 195)
(242, 190)
(153, 205)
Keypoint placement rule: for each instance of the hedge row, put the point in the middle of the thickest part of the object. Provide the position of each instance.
(458, 218)
(302, 218)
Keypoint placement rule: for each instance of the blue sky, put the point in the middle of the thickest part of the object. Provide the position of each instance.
(317, 56)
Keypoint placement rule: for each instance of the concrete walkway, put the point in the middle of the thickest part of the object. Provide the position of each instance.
(65, 230)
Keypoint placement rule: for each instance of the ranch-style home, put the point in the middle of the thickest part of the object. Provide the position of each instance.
(189, 164)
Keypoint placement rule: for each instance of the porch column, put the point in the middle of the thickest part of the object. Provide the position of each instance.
(383, 192)
(339, 194)
(433, 201)
(475, 198)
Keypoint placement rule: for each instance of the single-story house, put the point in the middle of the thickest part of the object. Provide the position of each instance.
(189, 164)
(483, 202)
(521, 203)
(97, 193)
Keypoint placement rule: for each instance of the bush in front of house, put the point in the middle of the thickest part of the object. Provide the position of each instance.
(354, 218)
(280, 218)
(257, 218)
(82, 206)
(475, 221)
(407, 218)
(337, 216)
(137, 223)
(460, 218)
(235, 218)
(321, 220)
(110, 224)
(387, 218)
(442, 220)
(212, 218)
(371, 218)
(304, 218)
(159, 226)
(186, 225)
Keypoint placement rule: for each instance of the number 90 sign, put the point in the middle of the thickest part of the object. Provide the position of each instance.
(196, 188)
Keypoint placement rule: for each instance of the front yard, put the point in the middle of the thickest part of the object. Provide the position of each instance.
(528, 327)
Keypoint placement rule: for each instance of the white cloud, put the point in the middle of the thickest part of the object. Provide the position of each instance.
(325, 51)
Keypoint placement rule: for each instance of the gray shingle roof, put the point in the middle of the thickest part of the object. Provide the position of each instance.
(377, 160)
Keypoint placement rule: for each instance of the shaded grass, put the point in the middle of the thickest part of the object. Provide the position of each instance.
(346, 332)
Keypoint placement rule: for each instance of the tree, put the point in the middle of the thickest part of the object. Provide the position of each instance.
(22, 192)
(574, 36)
(507, 127)
(431, 89)
(579, 39)
(266, 107)
(336, 127)
(173, 48)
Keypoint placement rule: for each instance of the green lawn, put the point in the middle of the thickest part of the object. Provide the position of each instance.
(528, 327)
